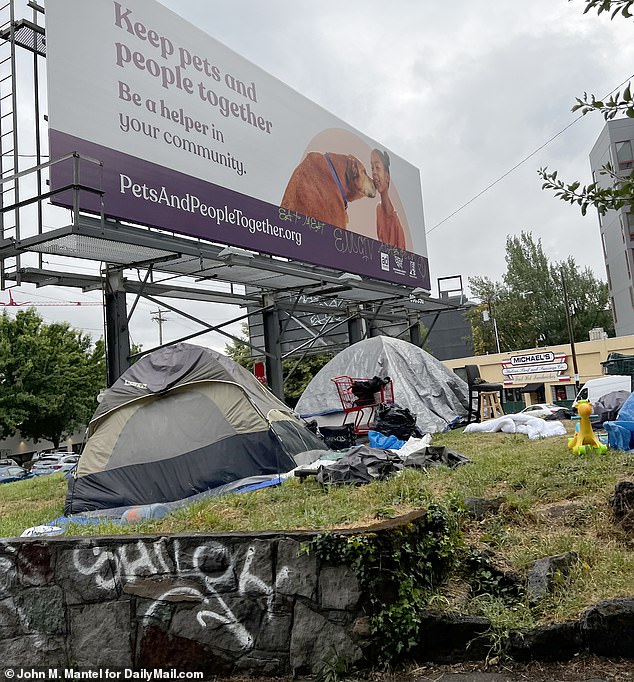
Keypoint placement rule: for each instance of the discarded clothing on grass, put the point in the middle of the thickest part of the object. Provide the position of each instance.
(533, 427)
(434, 456)
(324, 457)
(361, 464)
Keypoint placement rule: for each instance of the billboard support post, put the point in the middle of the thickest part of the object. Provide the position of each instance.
(272, 347)
(415, 336)
(355, 325)
(117, 336)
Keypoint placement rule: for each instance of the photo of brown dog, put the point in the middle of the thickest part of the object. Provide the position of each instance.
(322, 185)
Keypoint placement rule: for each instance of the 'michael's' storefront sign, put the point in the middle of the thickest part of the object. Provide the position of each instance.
(544, 366)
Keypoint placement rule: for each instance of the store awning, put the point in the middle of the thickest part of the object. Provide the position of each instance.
(532, 388)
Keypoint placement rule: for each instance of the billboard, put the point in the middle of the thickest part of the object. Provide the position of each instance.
(196, 140)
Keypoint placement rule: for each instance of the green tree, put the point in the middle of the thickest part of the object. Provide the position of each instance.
(297, 371)
(240, 352)
(618, 190)
(528, 304)
(50, 377)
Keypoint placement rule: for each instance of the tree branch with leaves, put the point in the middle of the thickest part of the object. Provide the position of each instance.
(619, 189)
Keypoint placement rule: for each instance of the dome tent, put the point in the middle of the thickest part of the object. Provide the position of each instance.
(431, 391)
(182, 420)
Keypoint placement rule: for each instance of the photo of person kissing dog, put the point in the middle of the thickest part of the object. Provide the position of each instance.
(331, 187)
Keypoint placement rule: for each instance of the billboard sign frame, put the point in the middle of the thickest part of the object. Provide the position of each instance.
(194, 139)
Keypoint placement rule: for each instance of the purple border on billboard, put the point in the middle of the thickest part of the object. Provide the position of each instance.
(138, 191)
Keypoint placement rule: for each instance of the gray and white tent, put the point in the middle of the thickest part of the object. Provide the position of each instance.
(431, 391)
(183, 420)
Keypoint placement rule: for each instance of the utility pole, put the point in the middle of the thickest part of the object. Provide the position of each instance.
(488, 315)
(571, 332)
(157, 316)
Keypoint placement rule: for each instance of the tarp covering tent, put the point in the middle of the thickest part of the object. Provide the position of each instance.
(607, 407)
(431, 391)
(182, 420)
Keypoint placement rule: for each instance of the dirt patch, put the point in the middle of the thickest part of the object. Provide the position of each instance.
(579, 669)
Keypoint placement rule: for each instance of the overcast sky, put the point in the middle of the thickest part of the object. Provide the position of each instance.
(464, 90)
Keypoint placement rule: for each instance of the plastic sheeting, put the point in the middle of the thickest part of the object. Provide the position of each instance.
(621, 431)
(431, 391)
(608, 406)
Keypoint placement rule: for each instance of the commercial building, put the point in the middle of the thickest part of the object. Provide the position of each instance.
(537, 375)
(615, 146)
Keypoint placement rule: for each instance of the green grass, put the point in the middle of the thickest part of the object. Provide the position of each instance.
(531, 479)
(30, 502)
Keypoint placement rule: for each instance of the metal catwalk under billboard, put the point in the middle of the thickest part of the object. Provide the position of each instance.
(195, 139)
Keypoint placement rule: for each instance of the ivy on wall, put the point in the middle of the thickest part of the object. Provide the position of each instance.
(398, 572)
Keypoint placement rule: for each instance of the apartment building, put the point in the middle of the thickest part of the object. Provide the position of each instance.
(615, 146)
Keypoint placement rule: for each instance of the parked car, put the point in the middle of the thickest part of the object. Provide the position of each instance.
(8, 462)
(10, 473)
(548, 411)
(54, 463)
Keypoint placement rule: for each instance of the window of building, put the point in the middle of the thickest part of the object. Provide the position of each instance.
(605, 252)
(613, 310)
(560, 393)
(632, 296)
(607, 272)
(513, 395)
(627, 264)
(624, 155)
(629, 219)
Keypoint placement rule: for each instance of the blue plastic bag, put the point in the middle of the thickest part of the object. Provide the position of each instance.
(378, 440)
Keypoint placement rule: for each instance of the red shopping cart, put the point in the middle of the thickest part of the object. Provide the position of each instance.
(362, 403)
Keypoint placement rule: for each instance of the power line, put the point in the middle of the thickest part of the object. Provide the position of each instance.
(12, 303)
(517, 165)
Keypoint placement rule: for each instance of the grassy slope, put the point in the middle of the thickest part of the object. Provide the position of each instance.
(534, 479)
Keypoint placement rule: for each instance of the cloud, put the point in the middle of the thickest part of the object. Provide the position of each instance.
(464, 90)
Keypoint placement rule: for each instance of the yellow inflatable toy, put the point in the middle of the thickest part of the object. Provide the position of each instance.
(585, 441)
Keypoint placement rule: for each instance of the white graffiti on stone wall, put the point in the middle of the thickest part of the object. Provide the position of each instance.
(7, 568)
(131, 563)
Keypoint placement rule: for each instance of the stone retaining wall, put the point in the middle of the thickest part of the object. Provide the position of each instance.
(224, 604)
(216, 604)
